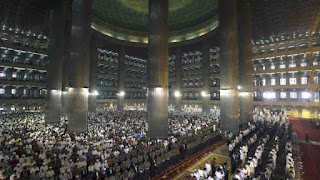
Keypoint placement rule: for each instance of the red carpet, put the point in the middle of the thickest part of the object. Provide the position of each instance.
(311, 161)
(301, 126)
(310, 154)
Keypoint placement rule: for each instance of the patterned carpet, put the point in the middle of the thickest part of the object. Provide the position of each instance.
(183, 169)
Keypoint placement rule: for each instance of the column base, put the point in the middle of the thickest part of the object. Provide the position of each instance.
(229, 111)
(205, 105)
(178, 106)
(246, 107)
(53, 107)
(77, 110)
(120, 103)
(157, 113)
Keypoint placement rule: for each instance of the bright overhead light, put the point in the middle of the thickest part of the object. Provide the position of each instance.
(203, 93)
(95, 93)
(122, 93)
(177, 94)
(239, 87)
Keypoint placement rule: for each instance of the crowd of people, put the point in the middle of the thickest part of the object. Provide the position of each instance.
(211, 171)
(262, 153)
(290, 173)
(115, 146)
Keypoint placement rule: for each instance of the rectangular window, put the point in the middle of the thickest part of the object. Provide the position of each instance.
(316, 80)
(315, 63)
(273, 82)
(1, 91)
(304, 80)
(303, 64)
(254, 68)
(293, 81)
(283, 95)
(269, 95)
(264, 82)
(293, 95)
(292, 65)
(2, 74)
(14, 75)
(25, 91)
(272, 66)
(283, 81)
(316, 96)
(282, 66)
(13, 91)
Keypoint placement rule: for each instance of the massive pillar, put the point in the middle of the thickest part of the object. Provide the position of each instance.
(158, 70)
(78, 90)
(55, 55)
(66, 60)
(229, 101)
(121, 79)
(93, 76)
(178, 85)
(205, 78)
(245, 61)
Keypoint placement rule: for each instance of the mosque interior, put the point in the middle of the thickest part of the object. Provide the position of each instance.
(159, 89)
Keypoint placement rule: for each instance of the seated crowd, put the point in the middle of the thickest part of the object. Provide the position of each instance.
(115, 146)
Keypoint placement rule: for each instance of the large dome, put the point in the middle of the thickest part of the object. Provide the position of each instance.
(128, 19)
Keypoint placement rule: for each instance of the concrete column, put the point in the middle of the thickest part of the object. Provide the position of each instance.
(178, 86)
(288, 96)
(275, 46)
(121, 79)
(229, 69)
(79, 66)
(298, 77)
(277, 77)
(66, 60)
(311, 77)
(297, 43)
(55, 55)
(158, 69)
(93, 76)
(206, 78)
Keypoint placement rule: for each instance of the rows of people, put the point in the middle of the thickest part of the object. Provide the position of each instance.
(211, 171)
(290, 172)
(115, 146)
(234, 141)
(262, 164)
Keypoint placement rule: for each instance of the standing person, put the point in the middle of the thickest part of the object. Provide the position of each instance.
(226, 171)
(213, 166)
(306, 136)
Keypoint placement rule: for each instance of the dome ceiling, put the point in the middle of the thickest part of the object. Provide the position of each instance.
(128, 19)
(133, 14)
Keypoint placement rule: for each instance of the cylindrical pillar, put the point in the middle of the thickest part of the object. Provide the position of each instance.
(66, 60)
(79, 68)
(93, 76)
(229, 70)
(178, 85)
(55, 55)
(121, 79)
(205, 77)
(245, 62)
(158, 69)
